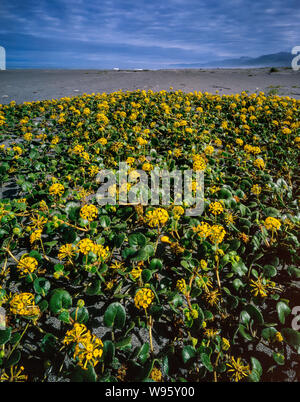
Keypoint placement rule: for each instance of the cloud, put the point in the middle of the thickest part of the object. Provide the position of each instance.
(179, 30)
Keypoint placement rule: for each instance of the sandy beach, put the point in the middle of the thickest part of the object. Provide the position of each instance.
(32, 85)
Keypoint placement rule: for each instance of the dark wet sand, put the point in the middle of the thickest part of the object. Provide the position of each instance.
(32, 85)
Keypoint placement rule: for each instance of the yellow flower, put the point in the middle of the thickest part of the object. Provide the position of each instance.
(147, 167)
(199, 163)
(117, 265)
(216, 208)
(27, 265)
(217, 233)
(178, 211)
(209, 150)
(256, 189)
(136, 272)
(102, 141)
(203, 229)
(211, 333)
(36, 235)
(89, 212)
(203, 264)
(278, 336)
(88, 351)
(143, 298)
(212, 297)
(237, 370)
(181, 285)
(24, 304)
(93, 170)
(85, 246)
(76, 334)
(165, 239)
(66, 251)
(102, 252)
(259, 287)
(259, 163)
(157, 217)
(225, 344)
(56, 189)
(156, 374)
(272, 223)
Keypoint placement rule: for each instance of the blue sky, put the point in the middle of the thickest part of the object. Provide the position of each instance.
(143, 33)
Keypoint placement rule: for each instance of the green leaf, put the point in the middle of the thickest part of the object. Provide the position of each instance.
(94, 288)
(237, 284)
(269, 271)
(239, 268)
(60, 299)
(80, 314)
(256, 365)
(5, 335)
(245, 333)
(143, 353)
(115, 316)
(291, 336)
(255, 313)
(104, 221)
(188, 352)
(119, 239)
(108, 352)
(125, 342)
(68, 234)
(137, 240)
(294, 271)
(279, 358)
(13, 359)
(64, 316)
(205, 358)
(49, 343)
(81, 375)
(146, 275)
(268, 333)
(283, 311)
(41, 286)
(156, 263)
(141, 255)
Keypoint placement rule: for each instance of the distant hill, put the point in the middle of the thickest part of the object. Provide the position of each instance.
(281, 59)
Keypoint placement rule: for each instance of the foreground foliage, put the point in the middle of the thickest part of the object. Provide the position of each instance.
(133, 293)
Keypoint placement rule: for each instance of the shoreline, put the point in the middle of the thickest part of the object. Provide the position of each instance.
(28, 85)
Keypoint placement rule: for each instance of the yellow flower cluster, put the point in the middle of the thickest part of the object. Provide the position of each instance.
(66, 251)
(237, 369)
(181, 285)
(199, 163)
(157, 217)
(89, 212)
(216, 233)
(256, 189)
(56, 189)
(24, 304)
(27, 265)
(88, 347)
(216, 208)
(86, 245)
(143, 298)
(272, 223)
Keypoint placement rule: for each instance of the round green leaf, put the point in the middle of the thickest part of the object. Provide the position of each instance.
(115, 316)
(283, 311)
(60, 299)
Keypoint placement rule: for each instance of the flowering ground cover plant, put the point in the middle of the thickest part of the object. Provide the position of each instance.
(143, 292)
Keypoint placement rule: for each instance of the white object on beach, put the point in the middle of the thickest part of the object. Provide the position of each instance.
(2, 58)
(116, 69)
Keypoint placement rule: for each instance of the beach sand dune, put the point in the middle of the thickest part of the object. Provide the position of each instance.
(32, 85)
